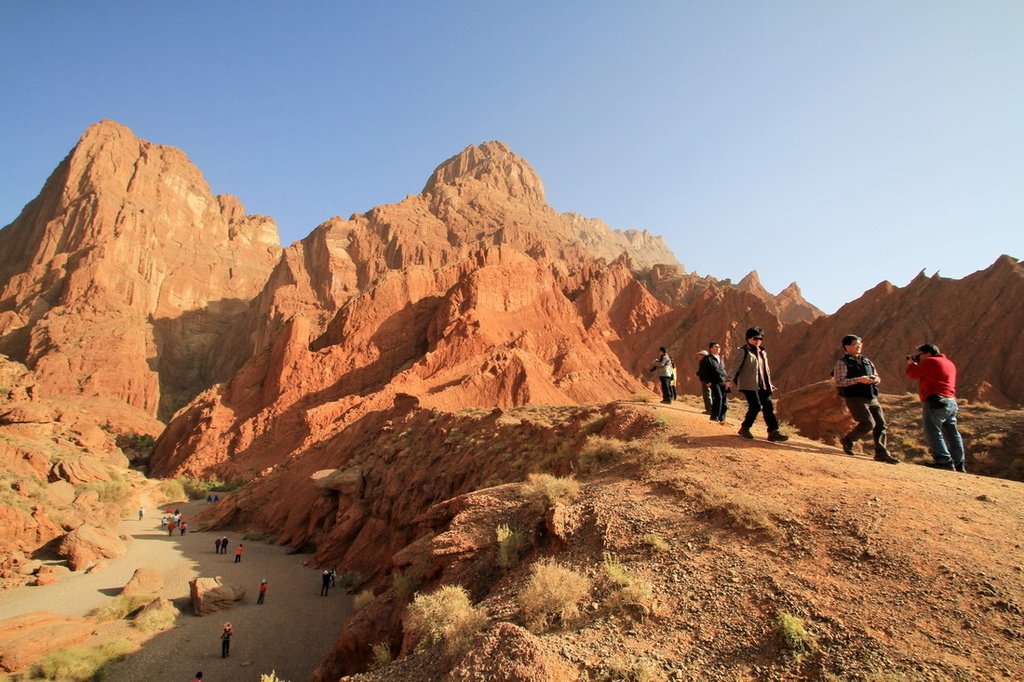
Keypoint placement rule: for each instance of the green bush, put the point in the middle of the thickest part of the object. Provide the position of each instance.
(155, 619)
(794, 635)
(121, 607)
(656, 542)
(381, 655)
(350, 579)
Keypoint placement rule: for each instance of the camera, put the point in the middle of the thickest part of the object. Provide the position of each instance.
(916, 357)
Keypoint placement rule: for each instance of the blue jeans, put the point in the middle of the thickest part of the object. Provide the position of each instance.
(941, 433)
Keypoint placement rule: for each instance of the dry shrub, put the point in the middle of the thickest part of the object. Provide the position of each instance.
(656, 542)
(598, 452)
(446, 617)
(154, 619)
(553, 595)
(121, 606)
(79, 664)
(623, 669)
(642, 397)
(405, 585)
(272, 677)
(380, 655)
(794, 635)
(509, 543)
(545, 490)
(630, 593)
(362, 599)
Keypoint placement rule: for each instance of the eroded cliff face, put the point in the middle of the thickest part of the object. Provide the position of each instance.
(119, 276)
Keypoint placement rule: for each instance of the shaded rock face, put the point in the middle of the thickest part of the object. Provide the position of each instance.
(126, 254)
(144, 581)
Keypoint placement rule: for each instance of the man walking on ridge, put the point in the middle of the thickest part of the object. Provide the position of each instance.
(712, 377)
(936, 385)
(750, 374)
(855, 377)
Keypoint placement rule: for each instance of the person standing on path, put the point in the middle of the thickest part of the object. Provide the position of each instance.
(225, 640)
(705, 391)
(712, 376)
(325, 583)
(936, 385)
(170, 528)
(855, 377)
(224, 545)
(238, 553)
(142, 512)
(263, 591)
(663, 364)
(183, 526)
(216, 544)
(751, 375)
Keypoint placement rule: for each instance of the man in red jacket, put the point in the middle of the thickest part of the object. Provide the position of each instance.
(936, 384)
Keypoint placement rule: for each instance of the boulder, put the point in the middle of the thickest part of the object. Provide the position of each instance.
(144, 581)
(79, 470)
(85, 544)
(349, 482)
(816, 410)
(27, 638)
(210, 595)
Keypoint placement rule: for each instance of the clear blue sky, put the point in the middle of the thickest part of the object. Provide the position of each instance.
(837, 144)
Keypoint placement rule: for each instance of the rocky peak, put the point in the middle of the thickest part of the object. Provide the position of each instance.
(495, 166)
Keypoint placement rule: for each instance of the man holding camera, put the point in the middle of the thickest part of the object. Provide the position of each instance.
(855, 377)
(936, 381)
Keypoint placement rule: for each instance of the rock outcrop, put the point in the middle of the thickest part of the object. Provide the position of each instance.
(24, 639)
(126, 254)
(210, 595)
(86, 544)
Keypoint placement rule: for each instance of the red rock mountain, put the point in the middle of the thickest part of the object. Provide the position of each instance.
(119, 277)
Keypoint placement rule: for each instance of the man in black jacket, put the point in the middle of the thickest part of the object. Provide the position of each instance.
(711, 373)
(857, 381)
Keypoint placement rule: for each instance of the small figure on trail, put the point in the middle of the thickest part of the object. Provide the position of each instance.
(325, 583)
(705, 389)
(712, 375)
(334, 576)
(216, 544)
(263, 591)
(182, 527)
(224, 545)
(238, 553)
(142, 512)
(170, 528)
(216, 498)
(209, 499)
(225, 641)
(663, 364)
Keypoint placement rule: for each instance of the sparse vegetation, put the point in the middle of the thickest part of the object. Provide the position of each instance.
(350, 579)
(255, 536)
(794, 635)
(405, 586)
(381, 655)
(509, 543)
(598, 452)
(171, 489)
(362, 599)
(553, 595)
(200, 488)
(642, 397)
(656, 542)
(80, 664)
(631, 593)
(444, 617)
(114, 491)
(623, 669)
(156, 619)
(121, 607)
(545, 490)
(272, 677)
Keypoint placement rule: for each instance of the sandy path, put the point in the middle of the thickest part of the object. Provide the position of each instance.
(290, 633)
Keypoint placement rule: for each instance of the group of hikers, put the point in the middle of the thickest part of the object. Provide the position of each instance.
(854, 376)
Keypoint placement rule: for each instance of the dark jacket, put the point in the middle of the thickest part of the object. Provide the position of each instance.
(711, 370)
(858, 366)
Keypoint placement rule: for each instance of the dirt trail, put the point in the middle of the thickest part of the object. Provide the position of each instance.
(290, 633)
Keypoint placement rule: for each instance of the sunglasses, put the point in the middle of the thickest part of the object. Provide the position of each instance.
(757, 338)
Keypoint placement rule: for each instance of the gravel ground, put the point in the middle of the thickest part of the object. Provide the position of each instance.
(290, 633)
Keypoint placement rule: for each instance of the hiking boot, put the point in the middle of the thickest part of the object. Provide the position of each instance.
(947, 465)
(847, 445)
(746, 433)
(887, 458)
(777, 436)
(960, 467)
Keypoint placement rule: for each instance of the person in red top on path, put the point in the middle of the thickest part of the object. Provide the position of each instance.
(238, 554)
(936, 384)
(263, 591)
